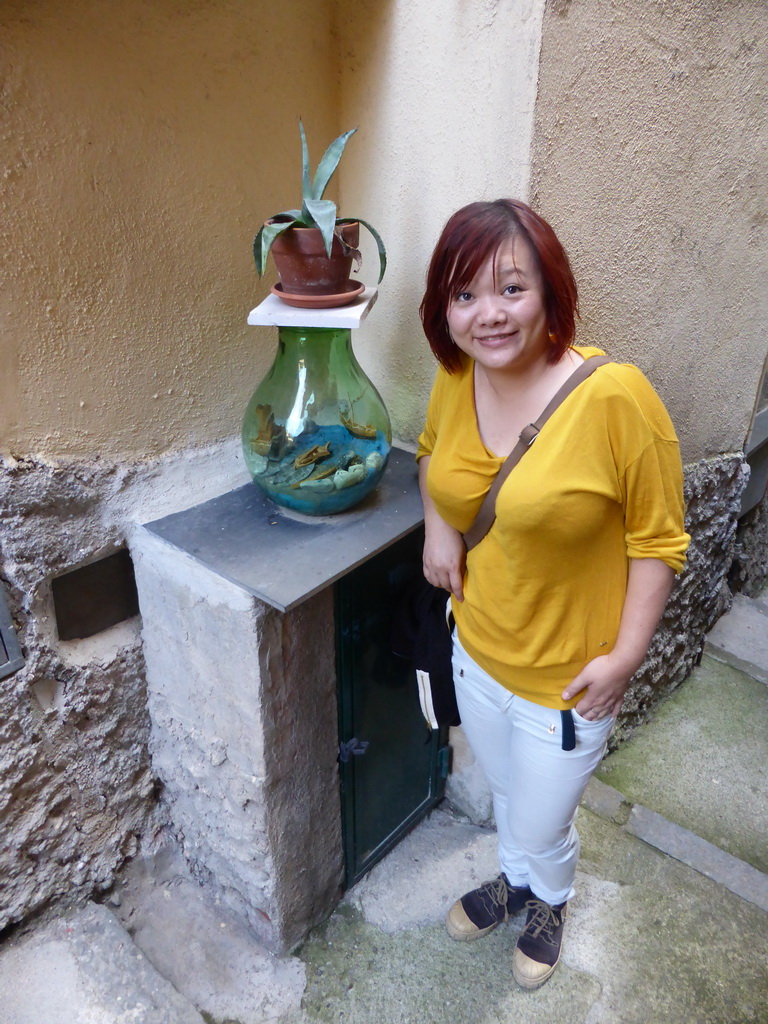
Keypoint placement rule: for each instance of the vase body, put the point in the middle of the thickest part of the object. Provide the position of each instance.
(316, 434)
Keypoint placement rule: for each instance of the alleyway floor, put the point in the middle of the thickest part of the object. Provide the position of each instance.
(669, 925)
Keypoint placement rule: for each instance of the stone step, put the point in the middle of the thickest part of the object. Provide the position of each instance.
(202, 947)
(700, 761)
(740, 637)
(84, 967)
(741, 878)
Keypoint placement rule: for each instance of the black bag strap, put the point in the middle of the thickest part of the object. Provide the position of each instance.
(487, 512)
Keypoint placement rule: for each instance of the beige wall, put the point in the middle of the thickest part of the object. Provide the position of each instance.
(444, 95)
(142, 144)
(651, 160)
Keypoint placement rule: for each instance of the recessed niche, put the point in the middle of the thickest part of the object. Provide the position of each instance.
(94, 597)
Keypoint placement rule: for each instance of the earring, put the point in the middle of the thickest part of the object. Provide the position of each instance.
(552, 337)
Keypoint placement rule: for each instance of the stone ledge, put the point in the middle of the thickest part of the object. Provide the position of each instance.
(675, 841)
(740, 637)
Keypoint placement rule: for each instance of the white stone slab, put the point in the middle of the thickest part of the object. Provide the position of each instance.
(415, 884)
(273, 312)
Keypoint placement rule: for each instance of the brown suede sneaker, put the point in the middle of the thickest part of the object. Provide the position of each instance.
(537, 953)
(480, 911)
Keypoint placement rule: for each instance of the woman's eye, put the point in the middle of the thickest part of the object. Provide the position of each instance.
(464, 296)
(512, 289)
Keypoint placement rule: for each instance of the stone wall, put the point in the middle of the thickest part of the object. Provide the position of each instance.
(713, 489)
(749, 573)
(77, 790)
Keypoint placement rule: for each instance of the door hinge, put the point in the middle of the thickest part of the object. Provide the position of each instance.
(353, 746)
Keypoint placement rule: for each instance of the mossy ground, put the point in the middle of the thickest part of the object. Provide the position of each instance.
(649, 941)
(703, 762)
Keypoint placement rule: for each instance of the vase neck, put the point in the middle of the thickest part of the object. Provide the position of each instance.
(319, 337)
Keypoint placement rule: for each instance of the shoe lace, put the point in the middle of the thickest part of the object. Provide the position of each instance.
(543, 920)
(496, 891)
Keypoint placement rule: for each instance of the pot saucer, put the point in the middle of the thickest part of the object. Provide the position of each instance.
(352, 290)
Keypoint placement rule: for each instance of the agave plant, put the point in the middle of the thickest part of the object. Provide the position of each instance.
(315, 211)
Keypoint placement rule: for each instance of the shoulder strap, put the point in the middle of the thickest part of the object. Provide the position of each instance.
(487, 512)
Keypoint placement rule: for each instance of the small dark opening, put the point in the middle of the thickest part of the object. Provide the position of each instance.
(95, 596)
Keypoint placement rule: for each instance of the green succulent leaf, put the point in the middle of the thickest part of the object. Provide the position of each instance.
(323, 213)
(328, 165)
(268, 232)
(305, 180)
(377, 238)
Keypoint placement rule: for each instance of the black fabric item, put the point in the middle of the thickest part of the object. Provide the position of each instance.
(568, 730)
(422, 636)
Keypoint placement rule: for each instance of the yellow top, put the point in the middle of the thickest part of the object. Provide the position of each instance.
(602, 483)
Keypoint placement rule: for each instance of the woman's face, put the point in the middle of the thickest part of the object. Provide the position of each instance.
(500, 319)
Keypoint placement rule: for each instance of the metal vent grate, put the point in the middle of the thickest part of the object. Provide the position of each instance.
(11, 659)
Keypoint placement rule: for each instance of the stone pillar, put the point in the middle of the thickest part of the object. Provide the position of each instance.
(244, 739)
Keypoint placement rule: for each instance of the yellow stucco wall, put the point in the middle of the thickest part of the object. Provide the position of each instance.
(142, 144)
(444, 96)
(651, 160)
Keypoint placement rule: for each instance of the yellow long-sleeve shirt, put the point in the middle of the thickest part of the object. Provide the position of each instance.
(602, 483)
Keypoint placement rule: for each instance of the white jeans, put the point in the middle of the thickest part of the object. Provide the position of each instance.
(536, 785)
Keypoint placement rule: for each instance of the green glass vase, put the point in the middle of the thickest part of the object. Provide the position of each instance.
(316, 434)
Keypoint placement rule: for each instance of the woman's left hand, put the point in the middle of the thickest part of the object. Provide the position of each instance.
(604, 681)
(606, 678)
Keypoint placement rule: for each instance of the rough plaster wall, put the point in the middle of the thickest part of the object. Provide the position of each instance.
(443, 95)
(650, 159)
(713, 489)
(200, 639)
(244, 739)
(142, 144)
(76, 787)
(749, 572)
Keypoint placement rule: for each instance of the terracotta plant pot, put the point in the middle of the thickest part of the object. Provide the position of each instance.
(303, 265)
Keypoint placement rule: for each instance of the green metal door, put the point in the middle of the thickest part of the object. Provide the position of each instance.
(392, 765)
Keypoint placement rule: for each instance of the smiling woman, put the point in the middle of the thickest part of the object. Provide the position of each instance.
(556, 605)
(473, 235)
(500, 319)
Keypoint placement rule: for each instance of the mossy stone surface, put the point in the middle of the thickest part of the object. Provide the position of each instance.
(702, 762)
(648, 941)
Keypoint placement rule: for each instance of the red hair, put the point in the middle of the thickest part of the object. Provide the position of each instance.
(472, 236)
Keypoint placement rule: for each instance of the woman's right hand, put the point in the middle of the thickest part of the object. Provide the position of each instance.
(444, 557)
(445, 553)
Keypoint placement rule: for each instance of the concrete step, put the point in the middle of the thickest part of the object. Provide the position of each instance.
(83, 967)
(740, 637)
(203, 949)
(701, 761)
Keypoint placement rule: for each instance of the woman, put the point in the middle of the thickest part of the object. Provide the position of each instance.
(556, 606)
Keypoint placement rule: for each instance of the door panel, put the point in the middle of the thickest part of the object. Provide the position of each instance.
(397, 779)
